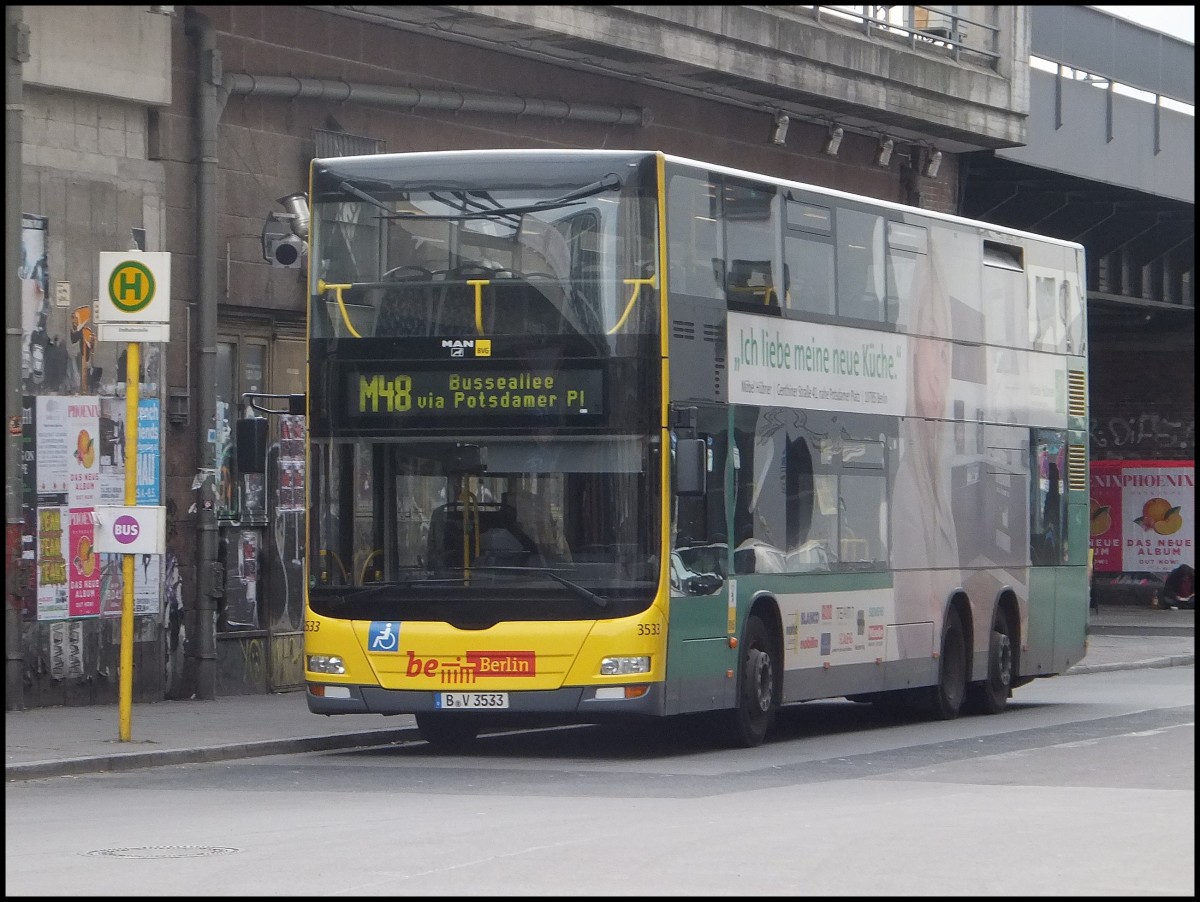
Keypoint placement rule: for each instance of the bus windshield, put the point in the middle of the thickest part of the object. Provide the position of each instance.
(443, 518)
(479, 254)
(484, 343)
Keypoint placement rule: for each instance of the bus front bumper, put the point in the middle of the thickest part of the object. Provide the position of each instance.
(579, 701)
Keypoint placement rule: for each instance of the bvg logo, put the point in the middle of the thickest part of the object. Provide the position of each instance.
(465, 671)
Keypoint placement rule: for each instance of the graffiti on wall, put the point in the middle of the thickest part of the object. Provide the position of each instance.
(175, 633)
(1144, 434)
(66, 649)
(250, 664)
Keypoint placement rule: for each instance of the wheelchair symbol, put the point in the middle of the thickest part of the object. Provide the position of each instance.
(384, 636)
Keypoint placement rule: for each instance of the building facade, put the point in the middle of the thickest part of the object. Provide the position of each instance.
(184, 130)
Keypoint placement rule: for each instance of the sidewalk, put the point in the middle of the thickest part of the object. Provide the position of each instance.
(48, 742)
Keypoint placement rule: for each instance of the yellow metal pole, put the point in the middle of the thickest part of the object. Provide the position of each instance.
(132, 377)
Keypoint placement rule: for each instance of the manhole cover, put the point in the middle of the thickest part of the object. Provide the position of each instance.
(165, 852)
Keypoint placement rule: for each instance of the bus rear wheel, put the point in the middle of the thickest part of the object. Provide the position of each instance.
(747, 724)
(991, 695)
(945, 698)
(447, 731)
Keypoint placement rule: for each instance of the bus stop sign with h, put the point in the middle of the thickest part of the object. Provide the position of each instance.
(135, 296)
(134, 306)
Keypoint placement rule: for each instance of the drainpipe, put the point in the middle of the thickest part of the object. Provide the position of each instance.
(17, 41)
(202, 623)
(337, 91)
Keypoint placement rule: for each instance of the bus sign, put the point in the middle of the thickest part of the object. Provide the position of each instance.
(135, 298)
(391, 395)
(130, 530)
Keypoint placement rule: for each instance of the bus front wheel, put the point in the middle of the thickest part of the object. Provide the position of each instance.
(748, 723)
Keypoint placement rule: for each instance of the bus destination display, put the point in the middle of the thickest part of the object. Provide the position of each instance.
(378, 393)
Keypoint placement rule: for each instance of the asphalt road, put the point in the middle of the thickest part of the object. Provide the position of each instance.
(1086, 786)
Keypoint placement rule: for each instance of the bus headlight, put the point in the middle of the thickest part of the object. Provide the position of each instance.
(325, 664)
(618, 666)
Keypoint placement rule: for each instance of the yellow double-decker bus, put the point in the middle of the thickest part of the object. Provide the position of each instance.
(605, 434)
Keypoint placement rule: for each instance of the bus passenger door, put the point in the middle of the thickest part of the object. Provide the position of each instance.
(698, 652)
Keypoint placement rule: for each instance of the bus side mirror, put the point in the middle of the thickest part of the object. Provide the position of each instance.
(691, 466)
(250, 434)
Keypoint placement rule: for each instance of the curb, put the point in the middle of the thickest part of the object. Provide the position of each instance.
(126, 761)
(1170, 661)
(1130, 631)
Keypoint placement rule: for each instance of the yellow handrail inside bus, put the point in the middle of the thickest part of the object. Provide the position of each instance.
(324, 554)
(752, 293)
(637, 288)
(478, 284)
(323, 286)
(469, 503)
(362, 575)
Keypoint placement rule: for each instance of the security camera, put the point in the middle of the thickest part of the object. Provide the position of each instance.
(296, 205)
(284, 234)
(284, 250)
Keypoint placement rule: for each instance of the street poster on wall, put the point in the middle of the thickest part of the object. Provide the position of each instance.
(35, 299)
(84, 565)
(67, 448)
(1142, 515)
(113, 443)
(52, 448)
(68, 566)
(53, 538)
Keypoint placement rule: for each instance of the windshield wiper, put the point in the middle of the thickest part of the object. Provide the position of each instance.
(583, 592)
(362, 195)
(367, 591)
(359, 594)
(598, 600)
(609, 183)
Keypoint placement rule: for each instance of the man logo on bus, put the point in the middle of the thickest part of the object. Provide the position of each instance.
(482, 347)
(383, 636)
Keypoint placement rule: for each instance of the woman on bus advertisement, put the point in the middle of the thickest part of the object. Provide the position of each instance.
(924, 539)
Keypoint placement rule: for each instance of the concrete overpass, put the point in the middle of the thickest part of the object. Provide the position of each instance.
(1035, 102)
(1063, 152)
(1114, 172)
